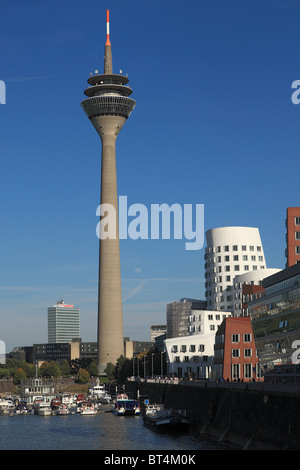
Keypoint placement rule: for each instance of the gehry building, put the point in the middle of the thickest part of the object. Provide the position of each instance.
(230, 251)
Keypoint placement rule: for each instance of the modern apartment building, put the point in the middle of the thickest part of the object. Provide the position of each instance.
(292, 236)
(178, 313)
(230, 251)
(63, 323)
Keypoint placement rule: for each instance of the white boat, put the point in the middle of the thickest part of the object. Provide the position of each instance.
(67, 399)
(44, 409)
(6, 406)
(106, 399)
(160, 418)
(87, 408)
(63, 411)
(98, 390)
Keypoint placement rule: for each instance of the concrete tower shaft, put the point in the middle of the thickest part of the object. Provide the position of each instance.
(108, 107)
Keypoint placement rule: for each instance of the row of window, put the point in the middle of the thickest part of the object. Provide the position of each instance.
(218, 259)
(225, 248)
(194, 358)
(235, 338)
(236, 268)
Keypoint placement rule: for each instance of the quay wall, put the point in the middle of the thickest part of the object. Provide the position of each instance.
(250, 419)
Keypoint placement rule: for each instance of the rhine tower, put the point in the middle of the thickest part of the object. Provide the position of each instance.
(108, 106)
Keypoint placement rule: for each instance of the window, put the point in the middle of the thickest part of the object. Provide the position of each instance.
(177, 359)
(247, 352)
(236, 267)
(212, 327)
(247, 371)
(227, 268)
(297, 235)
(245, 257)
(227, 258)
(226, 248)
(210, 317)
(235, 338)
(246, 267)
(235, 370)
(244, 248)
(183, 348)
(297, 249)
(174, 349)
(235, 248)
(297, 220)
(236, 258)
(235, 353)
(192, 348)
(228, 278)
(253, 258)
(259, 248)
(247, 337)
(201, 348)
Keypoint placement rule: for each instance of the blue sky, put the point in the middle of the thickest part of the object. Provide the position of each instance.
(214, 124)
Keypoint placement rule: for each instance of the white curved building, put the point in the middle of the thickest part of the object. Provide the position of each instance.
(230, 251)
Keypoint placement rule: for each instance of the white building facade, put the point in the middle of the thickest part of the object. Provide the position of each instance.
(230, 251)
(193, 355)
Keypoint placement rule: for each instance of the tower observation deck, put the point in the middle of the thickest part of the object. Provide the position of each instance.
(108, 106)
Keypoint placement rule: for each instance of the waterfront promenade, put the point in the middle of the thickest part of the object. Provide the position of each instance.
(252, 415)
(280, 386)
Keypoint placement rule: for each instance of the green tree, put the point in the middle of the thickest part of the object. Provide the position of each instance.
(83, 376)
(64, 367)
(110, 369)
(19, 375)
(92, 368)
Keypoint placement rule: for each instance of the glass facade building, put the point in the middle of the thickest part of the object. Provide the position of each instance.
(275, 318)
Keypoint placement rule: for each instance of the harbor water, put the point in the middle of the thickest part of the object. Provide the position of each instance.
(104, 431)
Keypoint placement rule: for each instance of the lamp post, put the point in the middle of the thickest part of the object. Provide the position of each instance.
(152, 363)
(161, 363)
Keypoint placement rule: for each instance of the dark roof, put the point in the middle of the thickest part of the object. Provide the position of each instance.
(282, 275)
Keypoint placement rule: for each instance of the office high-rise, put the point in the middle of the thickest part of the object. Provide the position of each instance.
(63, 323)
(108, 106)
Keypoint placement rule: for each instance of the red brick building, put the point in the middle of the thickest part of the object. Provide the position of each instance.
(292, 236)
(235, 355)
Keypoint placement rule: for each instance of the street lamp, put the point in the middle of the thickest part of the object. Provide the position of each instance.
(161, 363)
(152, 363)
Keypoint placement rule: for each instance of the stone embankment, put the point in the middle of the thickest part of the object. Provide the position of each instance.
(252, 417)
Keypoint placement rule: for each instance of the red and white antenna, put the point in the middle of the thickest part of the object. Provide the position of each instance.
(107, 29)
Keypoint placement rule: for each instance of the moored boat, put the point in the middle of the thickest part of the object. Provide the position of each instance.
(159, 418)
(62, 410)
(125, 406)
(87, 408)
(6, 406)
(44, 409)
